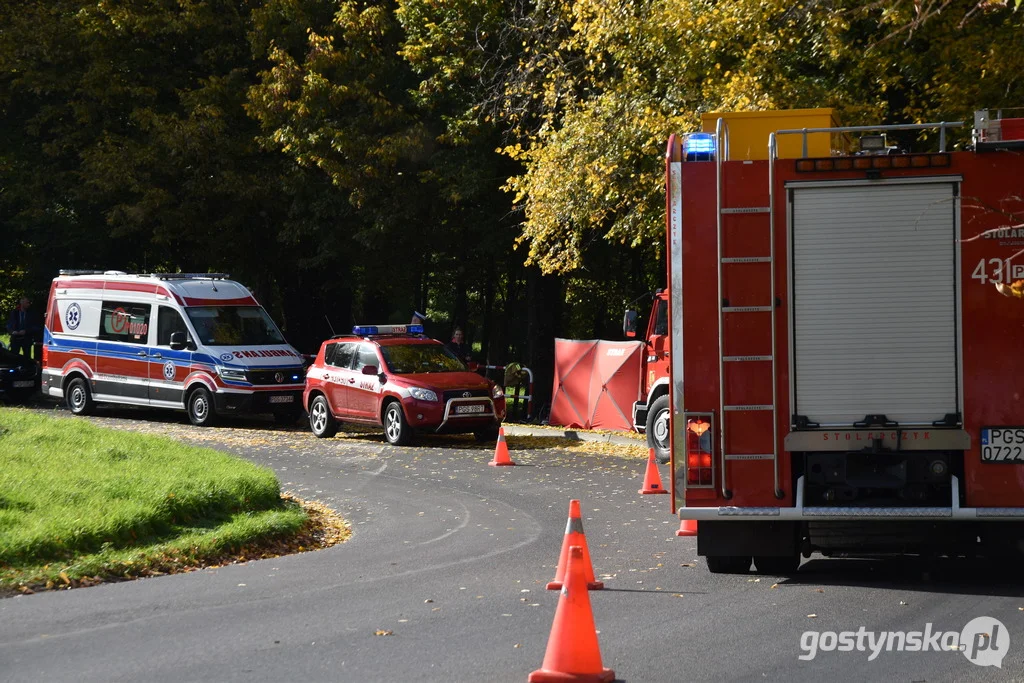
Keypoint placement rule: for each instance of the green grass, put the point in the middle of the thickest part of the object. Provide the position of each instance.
(77, 500)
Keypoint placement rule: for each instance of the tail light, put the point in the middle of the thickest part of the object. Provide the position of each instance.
(700, 470)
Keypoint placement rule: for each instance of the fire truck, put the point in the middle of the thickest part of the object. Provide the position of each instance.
(845, 370)
(650, 414)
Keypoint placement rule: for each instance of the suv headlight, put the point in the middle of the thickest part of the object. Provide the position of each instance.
(497, 391)
(231, 374)
(422, 394)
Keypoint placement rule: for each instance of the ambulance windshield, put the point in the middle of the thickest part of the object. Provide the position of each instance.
(233, 326)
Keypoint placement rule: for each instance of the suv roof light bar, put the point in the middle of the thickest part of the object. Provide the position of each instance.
(371, 330)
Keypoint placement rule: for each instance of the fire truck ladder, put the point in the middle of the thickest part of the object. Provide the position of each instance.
(727, 406)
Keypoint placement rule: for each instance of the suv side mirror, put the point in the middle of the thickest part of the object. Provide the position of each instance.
(629, 323)
(370, 370)
(179, 340)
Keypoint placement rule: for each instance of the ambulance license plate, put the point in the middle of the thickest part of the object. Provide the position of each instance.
(461, 410)
(282, 399)
(23, 383)
(1002, 444)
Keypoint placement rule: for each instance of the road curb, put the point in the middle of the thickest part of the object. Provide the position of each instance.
(572, 434)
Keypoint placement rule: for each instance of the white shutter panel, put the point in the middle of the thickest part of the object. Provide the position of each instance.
(874, 284)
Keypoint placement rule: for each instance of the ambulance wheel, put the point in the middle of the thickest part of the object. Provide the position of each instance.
(657, 429)
(201, 412)
(396, 430)
(78, 397)
(728, 564)
(321, 422)
(777, 564)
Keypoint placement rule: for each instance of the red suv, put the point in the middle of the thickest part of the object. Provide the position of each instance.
(392, 375)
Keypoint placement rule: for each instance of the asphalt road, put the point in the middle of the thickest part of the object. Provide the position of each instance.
(449, 557)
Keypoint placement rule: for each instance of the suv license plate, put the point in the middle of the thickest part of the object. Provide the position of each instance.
(282, 399)
(470, 409)
(1002, 445)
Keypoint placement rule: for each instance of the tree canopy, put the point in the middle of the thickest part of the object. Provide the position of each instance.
(497, 162)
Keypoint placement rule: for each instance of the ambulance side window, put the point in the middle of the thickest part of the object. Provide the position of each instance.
(343, 356)
(125, 322)
(168, 321)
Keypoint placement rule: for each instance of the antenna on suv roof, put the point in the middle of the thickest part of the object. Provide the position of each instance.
(333, 334)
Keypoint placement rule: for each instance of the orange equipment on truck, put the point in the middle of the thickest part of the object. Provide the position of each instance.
(845, 371)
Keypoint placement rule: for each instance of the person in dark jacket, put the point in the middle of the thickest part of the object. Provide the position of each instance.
(23, 328)
(458, 345)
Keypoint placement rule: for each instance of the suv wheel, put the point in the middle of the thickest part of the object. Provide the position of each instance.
(396, 430)
(320, 419)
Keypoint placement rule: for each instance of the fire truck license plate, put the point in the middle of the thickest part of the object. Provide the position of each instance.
(282, 399)
(469, 409)
(1002, 444)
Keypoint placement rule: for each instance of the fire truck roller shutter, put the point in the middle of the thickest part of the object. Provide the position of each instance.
(874, 286)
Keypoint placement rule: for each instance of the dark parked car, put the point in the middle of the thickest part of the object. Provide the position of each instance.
(19, 377)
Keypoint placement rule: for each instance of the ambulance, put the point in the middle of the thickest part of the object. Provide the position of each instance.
(197, 342)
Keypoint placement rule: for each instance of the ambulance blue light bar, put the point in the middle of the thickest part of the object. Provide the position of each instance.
(699, 147)
(369, 330)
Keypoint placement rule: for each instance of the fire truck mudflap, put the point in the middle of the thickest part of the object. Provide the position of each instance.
(847, 386)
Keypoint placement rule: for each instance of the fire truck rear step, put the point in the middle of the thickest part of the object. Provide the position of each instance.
(800, 513)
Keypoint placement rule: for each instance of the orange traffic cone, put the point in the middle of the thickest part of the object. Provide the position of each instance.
(573, 653)
(501, 456)
(687, 527)
(574, 536)
(652, 479)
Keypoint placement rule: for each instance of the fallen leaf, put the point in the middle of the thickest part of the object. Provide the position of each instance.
(381, 632)
(775, 585)
(812, 616)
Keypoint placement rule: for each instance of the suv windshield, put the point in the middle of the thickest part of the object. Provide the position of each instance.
(405, 359)
(234, 326)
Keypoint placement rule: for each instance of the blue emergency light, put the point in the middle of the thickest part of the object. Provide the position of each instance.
(699, 147)
(369, 330)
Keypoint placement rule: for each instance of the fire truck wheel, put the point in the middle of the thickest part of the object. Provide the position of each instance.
(780, 564)
(396, 430)
(728, 564)
(321, 421)
(657, 429)
(78, 397)
(200, 407)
